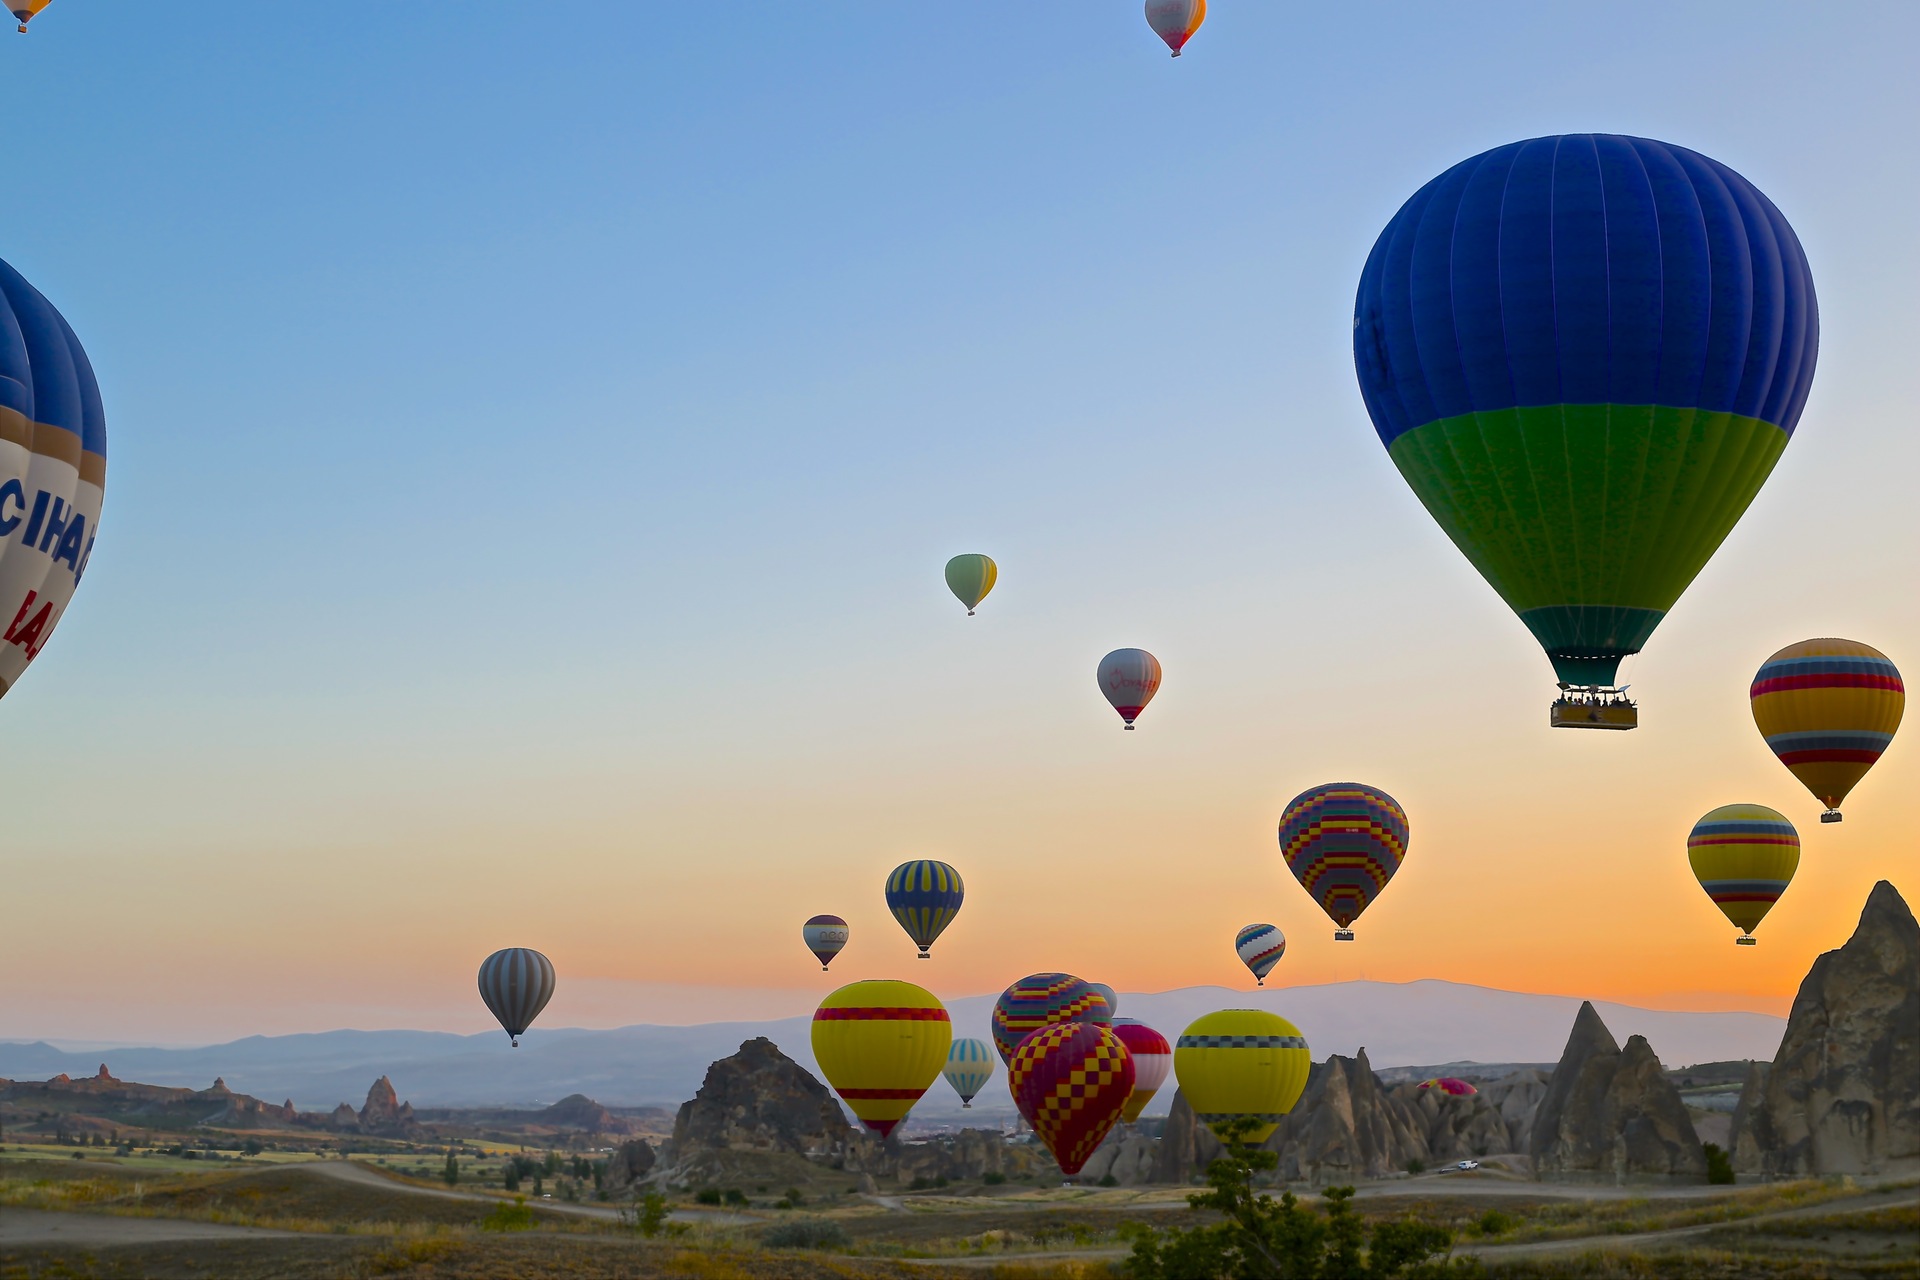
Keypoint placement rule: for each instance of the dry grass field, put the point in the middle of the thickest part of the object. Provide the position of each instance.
(96, 1218)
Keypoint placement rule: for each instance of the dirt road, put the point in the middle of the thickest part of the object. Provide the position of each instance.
(24, 1227)
(359, 1174)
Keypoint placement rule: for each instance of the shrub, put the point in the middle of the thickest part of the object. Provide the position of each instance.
(452, 1171)
(707, 1195)
(735, 1196)
(994, 1179)
(1719, 1167)
(1495, 1223)
(509, 1217)
(806, 1233)
(1416, 1165)
(1109, 1181)
(794, 1197)
(922, 1183)
(650, 1214)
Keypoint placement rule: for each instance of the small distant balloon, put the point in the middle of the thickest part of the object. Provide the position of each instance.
(1175, 21)
(1112, 998)
(970, 577)
(25, 9)
(1450, 1085)
(516, 984)
(1129, 678)
(824, 936)
(1744, 856)
(1828, 708)
(1152, 1060)
(969, 1067)
(1260, 947)
(924, 897)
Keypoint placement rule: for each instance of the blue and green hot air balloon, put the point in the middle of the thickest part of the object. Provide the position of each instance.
(1585, 354)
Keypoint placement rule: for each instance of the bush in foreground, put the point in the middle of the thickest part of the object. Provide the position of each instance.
(1264, 1239)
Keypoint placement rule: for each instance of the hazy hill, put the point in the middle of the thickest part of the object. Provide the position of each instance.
(1398, 1023)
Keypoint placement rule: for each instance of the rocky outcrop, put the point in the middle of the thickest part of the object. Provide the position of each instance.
(344, 1118)
(1517, 1098)
(966, 1156)
(1125, 1156)
(1843, 1093)
(1612, 1113)
(761, 1100)
(630, 1162)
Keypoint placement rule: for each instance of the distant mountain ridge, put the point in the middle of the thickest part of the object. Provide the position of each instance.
(1397, 1023)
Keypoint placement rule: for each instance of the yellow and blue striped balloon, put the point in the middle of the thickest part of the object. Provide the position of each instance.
(924, 897)
(1744, 855)
(1242, 1064)
(969, 1067)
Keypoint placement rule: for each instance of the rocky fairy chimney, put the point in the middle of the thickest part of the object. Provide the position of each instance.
(383, 1106)
(104, 1077)
(1612, 1112)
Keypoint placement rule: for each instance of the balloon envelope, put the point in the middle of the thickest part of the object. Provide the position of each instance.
(1260, 947)
(1071, 1081)
(880, 1044)
(1039, 1000)
(1585, 354)
(924, 897)
(970, 577)
(1129, 678)
(1744, 855)
(516, 984)
(1175, 21)
(1828, 708)
(53, 470)
(1112, 999)
(1450, 1085)
(25, 9)
(1152, 1060)
(969, 1067)
(1343, 841)
(1242, 1064)
(824, 936)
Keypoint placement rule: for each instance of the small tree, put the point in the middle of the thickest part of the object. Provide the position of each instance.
(510, 1176)
(650, 1214)
(1719, 1167)
(452, 1172)
(1260, 1238)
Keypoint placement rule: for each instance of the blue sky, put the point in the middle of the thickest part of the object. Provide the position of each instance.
(536, 432)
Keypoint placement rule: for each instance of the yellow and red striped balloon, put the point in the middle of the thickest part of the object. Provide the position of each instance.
(1744, 855)
(881, 1044)
(1828, 708)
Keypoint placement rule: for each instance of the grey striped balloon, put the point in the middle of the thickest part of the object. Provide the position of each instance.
(516, 984)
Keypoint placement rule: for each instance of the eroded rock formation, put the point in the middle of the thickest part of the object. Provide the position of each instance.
(1842, 1095)
(761, 1100)
(1611, 1112)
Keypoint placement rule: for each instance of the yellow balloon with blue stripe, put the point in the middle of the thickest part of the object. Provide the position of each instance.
(1744, 856)
(1242, 1064)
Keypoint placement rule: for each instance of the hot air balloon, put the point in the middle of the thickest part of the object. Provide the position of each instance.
(1242, 1064)
(1040, 1000)
(516, 984)
(1585, 354)
(824, 936)
(1152, 1059)
(1449, 1085)
(1828, 708)
(1112, 999)
(880, 1044)
(970, 577)
(1071, 1081)
(53, 467)
(969, 1067)
(1129, 678)
(924, 897)
(25, 9)
(1260, 947)
(1343, 841)
(1175, 21)
(1744, 855)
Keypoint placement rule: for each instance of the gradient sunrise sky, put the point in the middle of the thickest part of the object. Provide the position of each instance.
(536, 434)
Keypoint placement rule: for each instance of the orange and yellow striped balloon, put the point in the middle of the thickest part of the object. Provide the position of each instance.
(1828, 708)
(881, 1045)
